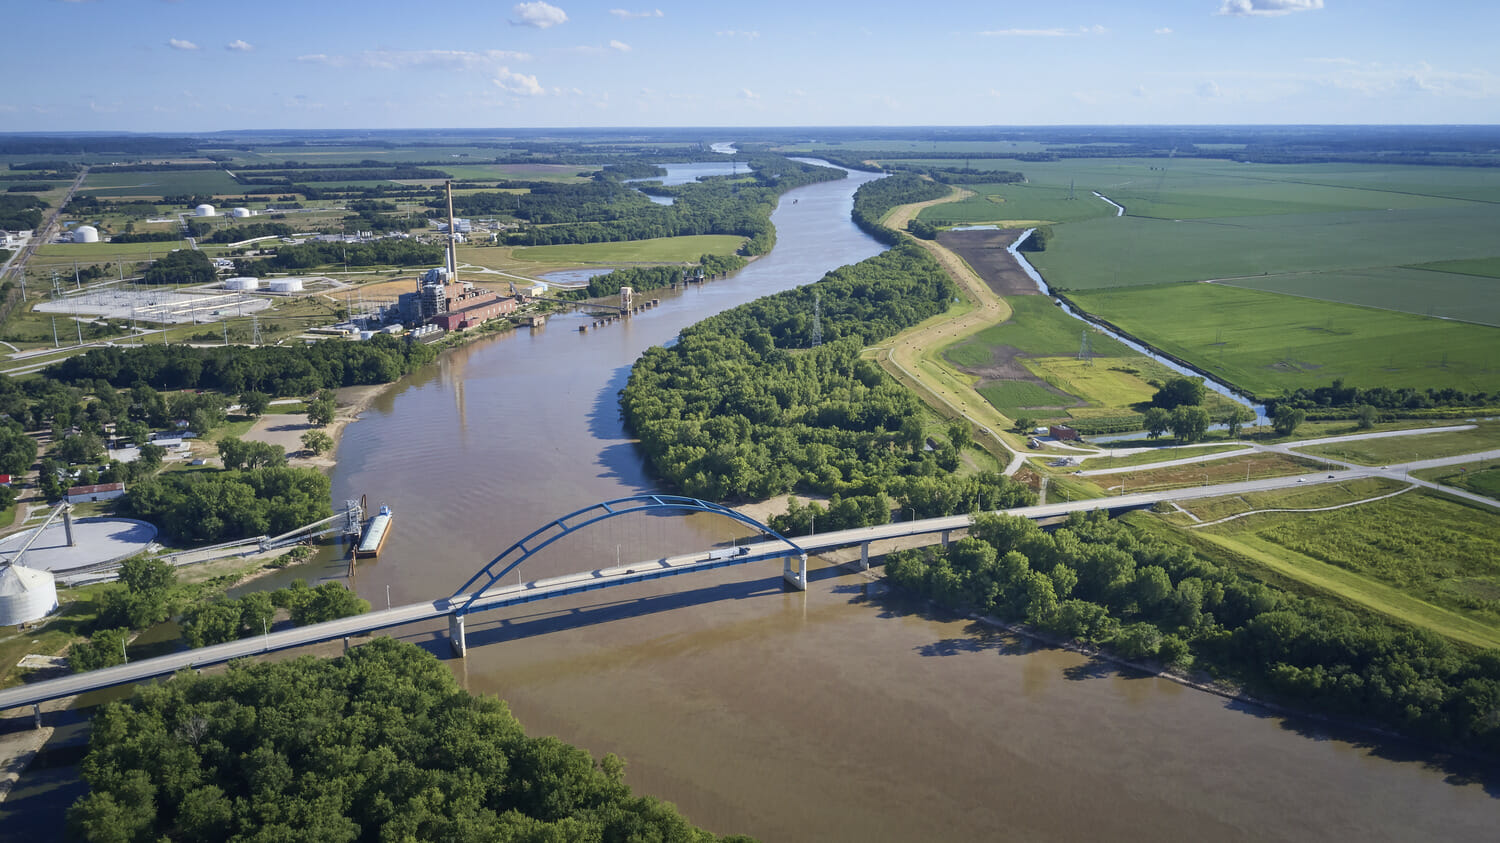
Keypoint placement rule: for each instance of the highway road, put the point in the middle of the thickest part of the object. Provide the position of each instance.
(510, 595)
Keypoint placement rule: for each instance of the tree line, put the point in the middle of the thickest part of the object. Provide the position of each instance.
(1340, 396)
(276, 370)
(875, 198)
(747, 405)
(1129, 590)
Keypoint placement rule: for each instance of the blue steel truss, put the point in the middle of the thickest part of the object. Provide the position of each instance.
(546, 535)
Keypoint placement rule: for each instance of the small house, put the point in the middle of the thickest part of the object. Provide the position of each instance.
(1063, 433)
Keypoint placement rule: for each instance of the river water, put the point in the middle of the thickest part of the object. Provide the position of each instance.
(841, 713)
(827, 715)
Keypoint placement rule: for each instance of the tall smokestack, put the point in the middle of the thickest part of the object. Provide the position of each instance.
(452, 237)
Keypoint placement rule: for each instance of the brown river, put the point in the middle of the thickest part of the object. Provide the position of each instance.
(842, 713)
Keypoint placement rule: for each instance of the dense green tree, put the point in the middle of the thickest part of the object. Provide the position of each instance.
(1367, 416)
(1178, 392)
(321, 408)
(105, 648)
(1157, 421)
(1285, 420)
(181, 266)
(238, 454)
(1238, 416)
(1190, 423)
(380, 744)
(316, 441)
(254, 403)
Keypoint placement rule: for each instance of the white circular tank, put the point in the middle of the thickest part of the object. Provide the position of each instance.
(286, 285)
(242, 283)
(85, 234)
(204, 210)
(241, 212)
(26, 595)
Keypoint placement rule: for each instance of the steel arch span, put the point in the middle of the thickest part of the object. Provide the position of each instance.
(571, 523)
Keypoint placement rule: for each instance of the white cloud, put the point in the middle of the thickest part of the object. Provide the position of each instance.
(736, 33)
(539, 14)
(420, 59)
(627, 14)
(620, 45)
(1268, 8)
(1166, 30)
(747, 94)
(1057, 32)
(179, 44)
(1209, 90)
(239, 46)
(520, 84)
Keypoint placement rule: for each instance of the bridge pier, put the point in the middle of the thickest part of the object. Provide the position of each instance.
(864, 556)
(36, 711)
(796, 577)
(946, 534)
(456, 634)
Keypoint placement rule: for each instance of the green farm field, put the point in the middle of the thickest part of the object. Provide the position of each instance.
(519, 172)
(1266, 343)
(658, 250)
(1037, 327)
(1133, 251)
(997, 203)
(1406, 555)
(170, 183)
(1449, 295)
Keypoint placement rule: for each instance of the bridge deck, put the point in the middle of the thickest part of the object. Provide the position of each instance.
(553, 587)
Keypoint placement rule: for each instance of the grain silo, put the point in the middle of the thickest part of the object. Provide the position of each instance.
(26, 595)
(85, 234)
(204, 210)
(241, 213)
(286, 285)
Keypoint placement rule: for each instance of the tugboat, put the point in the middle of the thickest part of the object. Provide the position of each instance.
(375, 534)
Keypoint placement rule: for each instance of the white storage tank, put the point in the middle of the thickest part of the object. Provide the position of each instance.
(85, 234)
(286, 285)
(204, 210)
(26, 595)
(242, 283)
(240, 213)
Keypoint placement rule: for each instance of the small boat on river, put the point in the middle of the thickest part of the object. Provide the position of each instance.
(375, 533)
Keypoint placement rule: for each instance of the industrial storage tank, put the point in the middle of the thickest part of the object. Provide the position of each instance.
(26, 595)
(85, 234)
(204, 210)
(286, 285)
(241, 212)
(242, 283)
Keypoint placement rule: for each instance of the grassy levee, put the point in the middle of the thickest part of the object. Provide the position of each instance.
(1302, 573)
(1267, 343)
(1484, 437)
(1228, 470)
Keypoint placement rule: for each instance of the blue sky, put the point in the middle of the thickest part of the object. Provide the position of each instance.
(203, 65)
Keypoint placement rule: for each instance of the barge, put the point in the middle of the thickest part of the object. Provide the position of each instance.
(375, 534)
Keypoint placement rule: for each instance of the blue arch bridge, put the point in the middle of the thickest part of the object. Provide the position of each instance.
(485, 591)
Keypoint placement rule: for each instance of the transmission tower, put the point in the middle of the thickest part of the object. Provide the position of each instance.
(255, 329)
(817, 326)
(1085, 349)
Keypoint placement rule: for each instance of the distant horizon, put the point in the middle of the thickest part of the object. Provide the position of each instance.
(159, 66)
(998, 127)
